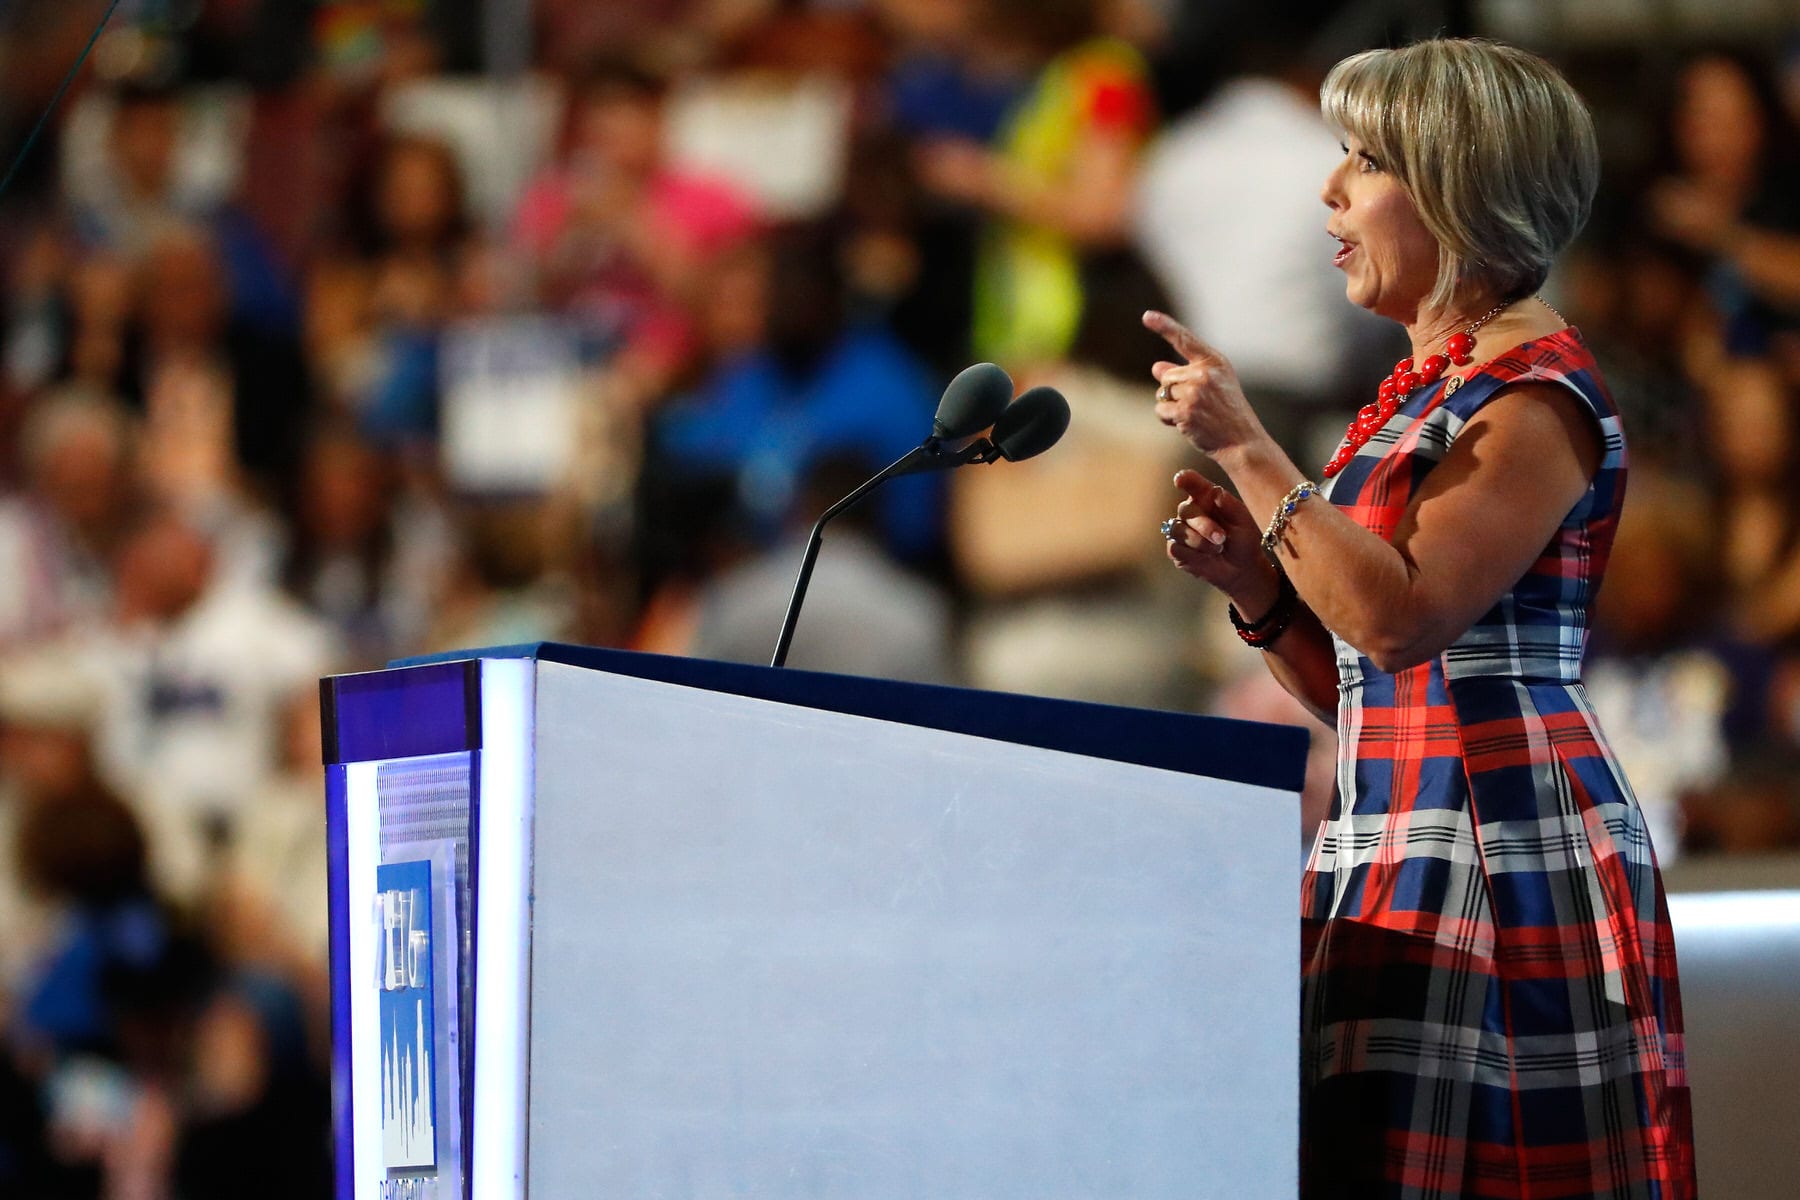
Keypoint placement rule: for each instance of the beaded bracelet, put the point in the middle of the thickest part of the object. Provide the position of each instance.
(1262, 632)
(1284, 512)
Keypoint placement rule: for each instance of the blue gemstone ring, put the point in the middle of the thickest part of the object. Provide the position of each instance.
(1168, 528)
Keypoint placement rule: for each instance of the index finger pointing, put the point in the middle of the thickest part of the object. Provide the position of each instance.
(1180, 338)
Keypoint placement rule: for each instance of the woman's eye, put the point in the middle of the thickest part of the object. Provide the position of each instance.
(1367, 165)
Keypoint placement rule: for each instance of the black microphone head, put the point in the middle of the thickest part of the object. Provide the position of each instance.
(973, 401)
(1032, 424)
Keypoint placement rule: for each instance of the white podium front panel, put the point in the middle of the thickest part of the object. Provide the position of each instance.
(779, 952)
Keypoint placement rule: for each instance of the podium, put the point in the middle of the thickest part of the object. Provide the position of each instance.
(608, 924)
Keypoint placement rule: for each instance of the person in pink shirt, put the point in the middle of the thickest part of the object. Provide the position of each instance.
(617, 236)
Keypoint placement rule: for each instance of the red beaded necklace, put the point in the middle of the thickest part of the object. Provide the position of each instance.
(1459, 351)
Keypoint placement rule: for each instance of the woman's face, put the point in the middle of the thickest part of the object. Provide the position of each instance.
(1389, 258)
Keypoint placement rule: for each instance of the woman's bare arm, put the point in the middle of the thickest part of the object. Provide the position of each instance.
(1478, 522)
(1304, 661)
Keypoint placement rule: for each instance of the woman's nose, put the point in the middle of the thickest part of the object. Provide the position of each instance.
(1332, 192)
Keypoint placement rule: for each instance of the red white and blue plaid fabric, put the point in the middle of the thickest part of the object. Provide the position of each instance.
(1489, 1000)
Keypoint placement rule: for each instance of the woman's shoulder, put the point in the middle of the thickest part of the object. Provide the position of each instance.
(1560, 359)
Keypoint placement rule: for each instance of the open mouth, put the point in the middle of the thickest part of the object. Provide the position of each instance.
(1345, 250)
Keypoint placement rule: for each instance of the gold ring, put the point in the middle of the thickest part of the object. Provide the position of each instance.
(1162, 393)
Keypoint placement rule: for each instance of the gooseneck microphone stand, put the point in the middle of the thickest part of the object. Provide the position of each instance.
(929, 457)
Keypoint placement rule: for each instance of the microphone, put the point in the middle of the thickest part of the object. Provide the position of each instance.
(973, 401)
(976, 399)
(1032, 424)
(1028, 426)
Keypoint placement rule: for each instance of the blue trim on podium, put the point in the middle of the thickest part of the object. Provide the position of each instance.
(337, 886)
(378, 715)
(1272, 756)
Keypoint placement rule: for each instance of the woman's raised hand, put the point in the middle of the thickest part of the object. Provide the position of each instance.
(1200, 396)
(1214, 537)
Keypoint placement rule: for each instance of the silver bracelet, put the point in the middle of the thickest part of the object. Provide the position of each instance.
(1284, 512)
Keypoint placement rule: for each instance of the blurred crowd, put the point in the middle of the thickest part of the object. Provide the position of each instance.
(343, 331)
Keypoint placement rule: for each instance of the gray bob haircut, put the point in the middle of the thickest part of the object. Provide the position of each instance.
(1493, 146)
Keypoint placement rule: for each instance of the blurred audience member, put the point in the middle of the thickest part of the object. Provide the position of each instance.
(619, 237)
(47, 714)
(267, 920)
(1733, 194)
(418, 206)
(250, 1097)
(1227, 214)
(102, 309)
(58, 535)
(1751, 436)
(166, 1072)
(938, 86)
(912, 253)
(909, 261)
(1640, 305)
(509, 584)
(194, 671)
(375, 309)
(168, 160)
(367, 559)
(102, 1017)
(341, 336)
(85, 853)
(1058, 181)
(36, 310)
(778, 104)
(796, 382)
(185, 462)
(135, 191)
(271, 901)
(183, 324)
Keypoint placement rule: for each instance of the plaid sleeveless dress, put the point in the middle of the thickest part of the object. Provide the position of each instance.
(1489, 1002)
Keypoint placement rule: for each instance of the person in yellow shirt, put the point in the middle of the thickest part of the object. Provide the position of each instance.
(1057, 183)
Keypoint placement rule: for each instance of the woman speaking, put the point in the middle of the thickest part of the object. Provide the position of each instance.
(1489, 1002)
